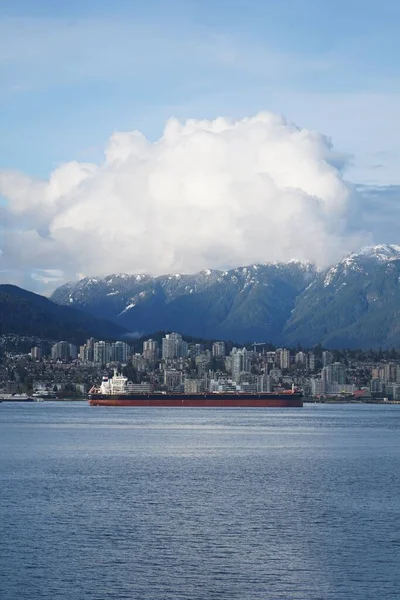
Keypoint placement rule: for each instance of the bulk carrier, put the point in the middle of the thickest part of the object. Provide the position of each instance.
(115, 392)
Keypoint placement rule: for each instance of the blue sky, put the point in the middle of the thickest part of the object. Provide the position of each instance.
(78, 76)
(74, 72)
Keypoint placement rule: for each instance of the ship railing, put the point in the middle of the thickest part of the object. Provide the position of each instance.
(94, 390)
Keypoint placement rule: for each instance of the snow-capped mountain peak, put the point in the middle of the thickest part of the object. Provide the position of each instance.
(381, 252)
(353, 262)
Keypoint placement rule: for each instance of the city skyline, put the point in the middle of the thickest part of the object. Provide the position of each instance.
(171, 364)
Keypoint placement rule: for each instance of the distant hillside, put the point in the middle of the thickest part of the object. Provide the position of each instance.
(25, 313)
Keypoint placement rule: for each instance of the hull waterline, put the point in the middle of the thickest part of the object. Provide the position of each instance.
(200, 401)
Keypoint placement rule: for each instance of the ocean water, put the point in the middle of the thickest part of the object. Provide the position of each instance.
(193, 504)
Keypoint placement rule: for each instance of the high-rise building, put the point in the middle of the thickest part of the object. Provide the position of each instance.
(60, 351)
(311, 361)
(301, 360)
(318, 387)
(218, 349)
(376, 386)
(183, 349)
(327, 358)
(334, 373)
(171, 346)
(36, 353)
(240, 362)
(102, 352)
(120, 352)
(195, 350)
(338, 372)
(390, 372)
(263, 383)
(150, 351)
(269, 358)
(86, 352)
(282, 358)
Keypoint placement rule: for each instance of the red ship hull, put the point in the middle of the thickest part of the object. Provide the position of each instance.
(291, 400)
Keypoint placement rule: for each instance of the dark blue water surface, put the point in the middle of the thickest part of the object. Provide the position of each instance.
(110, 503)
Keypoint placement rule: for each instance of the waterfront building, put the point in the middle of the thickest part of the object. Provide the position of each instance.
(317, 387)
(222, 385)
(376, 386)
(390, 372)
(338, 389)
(173, 379)
(264, 383)
(193, 386)
(334, 373)
(249, 387)
(247, 377)
(393, 391)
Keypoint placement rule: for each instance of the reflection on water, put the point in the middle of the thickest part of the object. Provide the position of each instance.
(199, 504)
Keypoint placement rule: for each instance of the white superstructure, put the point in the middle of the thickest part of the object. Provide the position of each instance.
(115, 385)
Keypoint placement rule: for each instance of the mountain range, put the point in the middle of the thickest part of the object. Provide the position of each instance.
(27, 314)
(355, 303)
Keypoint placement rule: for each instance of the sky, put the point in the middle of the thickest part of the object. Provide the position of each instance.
(153, 136)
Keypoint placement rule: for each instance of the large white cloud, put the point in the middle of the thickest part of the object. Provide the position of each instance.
(206, 194)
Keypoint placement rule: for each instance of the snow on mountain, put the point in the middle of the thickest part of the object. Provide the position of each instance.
(355, 303)
(355, 262)
(280, 302)
(380, 252)
(238, 303)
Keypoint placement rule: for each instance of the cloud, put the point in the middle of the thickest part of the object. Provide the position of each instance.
(207, 194)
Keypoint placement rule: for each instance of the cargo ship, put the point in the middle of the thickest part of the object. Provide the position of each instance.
(115, 391)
